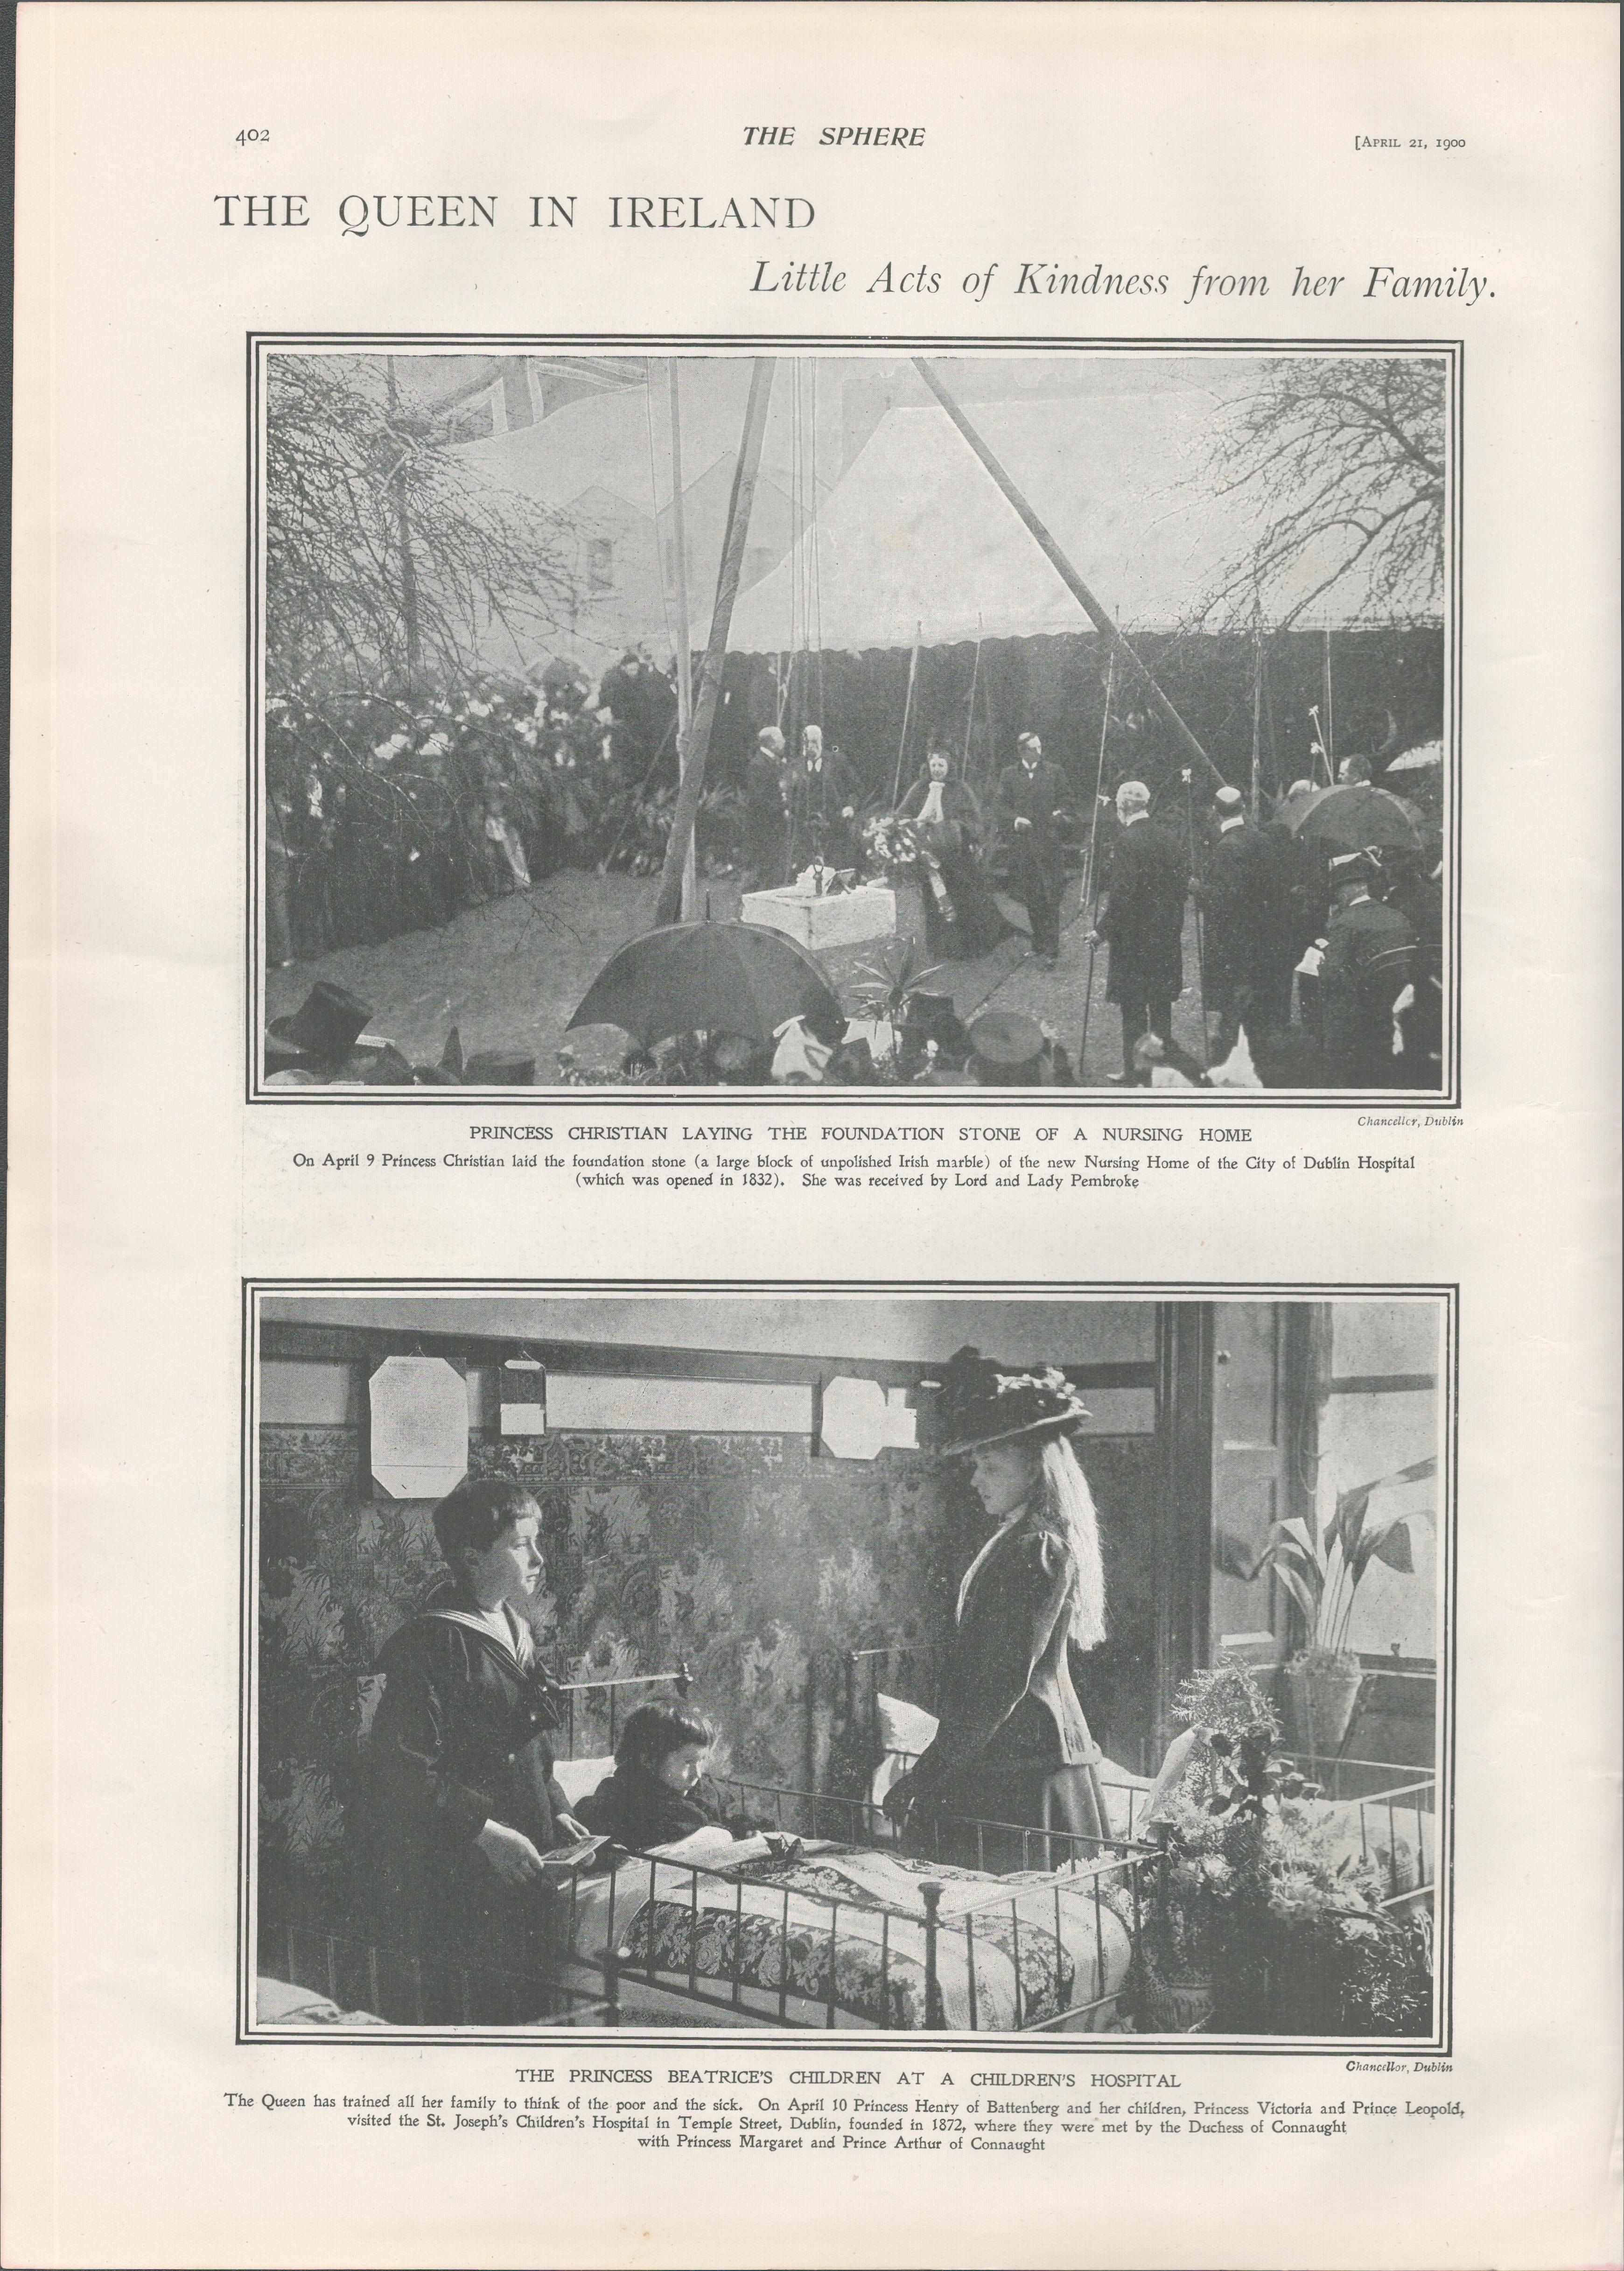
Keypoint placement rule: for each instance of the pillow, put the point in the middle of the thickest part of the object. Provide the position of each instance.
(903, 1726)
(1125, 1796)
(905, 1732)
(579, 1778)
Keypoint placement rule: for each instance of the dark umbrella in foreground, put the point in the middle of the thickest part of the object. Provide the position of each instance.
(717, 977)
(1355, 818)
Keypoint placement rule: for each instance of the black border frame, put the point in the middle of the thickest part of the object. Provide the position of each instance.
(250, 2036)
(1206, 1100)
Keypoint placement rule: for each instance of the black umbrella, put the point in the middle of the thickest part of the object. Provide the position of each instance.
(1354, 818)
(700, 977)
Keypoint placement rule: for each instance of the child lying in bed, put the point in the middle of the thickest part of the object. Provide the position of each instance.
(660, 1792)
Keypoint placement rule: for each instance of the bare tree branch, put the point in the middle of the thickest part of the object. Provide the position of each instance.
(1343, 460)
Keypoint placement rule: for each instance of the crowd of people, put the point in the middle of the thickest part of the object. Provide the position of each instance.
(1326, 956)
(1329, 962)
(386, 814)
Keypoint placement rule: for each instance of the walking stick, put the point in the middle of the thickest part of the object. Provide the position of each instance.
(1200, 948)
(1088, 868)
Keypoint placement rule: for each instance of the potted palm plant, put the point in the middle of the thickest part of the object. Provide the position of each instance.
(1322, 1569)
(886, 986)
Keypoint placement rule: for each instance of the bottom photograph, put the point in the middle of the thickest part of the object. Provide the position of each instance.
(1026, 1660)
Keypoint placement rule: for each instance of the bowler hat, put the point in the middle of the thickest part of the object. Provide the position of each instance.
(323, 1028)
(980, 1404)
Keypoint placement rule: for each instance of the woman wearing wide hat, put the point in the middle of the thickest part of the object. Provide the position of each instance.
(1012, 1744)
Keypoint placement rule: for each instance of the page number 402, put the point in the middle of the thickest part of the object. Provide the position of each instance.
(253, 134)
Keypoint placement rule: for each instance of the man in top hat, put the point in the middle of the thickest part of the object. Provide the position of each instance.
(1231, 891)
(1141, 920)
(1364, 975)
(766, 826)
(823, 803)
(318, 1037)
(1032, 804)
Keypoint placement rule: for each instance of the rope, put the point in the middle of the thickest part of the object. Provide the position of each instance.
(660, 550)
(1201, 945)
(975, 672)
(817, 565)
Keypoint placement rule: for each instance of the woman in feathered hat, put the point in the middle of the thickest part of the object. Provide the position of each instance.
(1012, 1744)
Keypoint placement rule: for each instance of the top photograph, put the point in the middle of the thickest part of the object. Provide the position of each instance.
(989, 718)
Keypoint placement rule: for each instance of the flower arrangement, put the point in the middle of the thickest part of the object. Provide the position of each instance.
(892, 846)
(1263, 1901)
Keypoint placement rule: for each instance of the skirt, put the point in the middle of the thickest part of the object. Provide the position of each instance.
(991, 1816)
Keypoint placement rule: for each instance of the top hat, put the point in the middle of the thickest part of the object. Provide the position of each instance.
(323, 1028)
(1008, 1049)
(982, 1405)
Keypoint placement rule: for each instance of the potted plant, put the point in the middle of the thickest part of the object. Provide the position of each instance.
(885, 988)
(1322, 1570)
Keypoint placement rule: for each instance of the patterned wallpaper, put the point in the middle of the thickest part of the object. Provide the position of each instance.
(741, 1556)
(737, 1555)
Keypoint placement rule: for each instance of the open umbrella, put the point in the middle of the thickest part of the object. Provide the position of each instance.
(700, 977)
(1418, 760)
(1354, 818)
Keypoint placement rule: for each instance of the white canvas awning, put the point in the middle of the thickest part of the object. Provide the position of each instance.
(918, 541)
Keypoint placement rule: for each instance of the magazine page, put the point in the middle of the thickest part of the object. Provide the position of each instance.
(813, 1396)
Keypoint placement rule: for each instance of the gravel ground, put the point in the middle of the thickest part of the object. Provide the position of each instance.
(1055, 998)
(508, 975)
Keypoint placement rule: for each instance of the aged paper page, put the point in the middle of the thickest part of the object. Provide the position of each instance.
(1025, 596)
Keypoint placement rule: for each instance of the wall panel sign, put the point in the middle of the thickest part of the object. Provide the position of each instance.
(420, 1426)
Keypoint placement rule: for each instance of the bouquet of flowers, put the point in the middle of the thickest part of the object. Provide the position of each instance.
(891, 846)
(1261, 1895)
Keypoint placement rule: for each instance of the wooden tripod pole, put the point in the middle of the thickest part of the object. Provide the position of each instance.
(1089, 875)
(1067, 573)
(669, 907)
(684, 663)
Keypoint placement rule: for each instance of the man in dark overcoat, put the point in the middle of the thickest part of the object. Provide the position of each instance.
(766, 822)
(1365, 975)
(1232, 892)
(1032, 804)
(1142, 921)
(1291, 916)
(822, 806)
